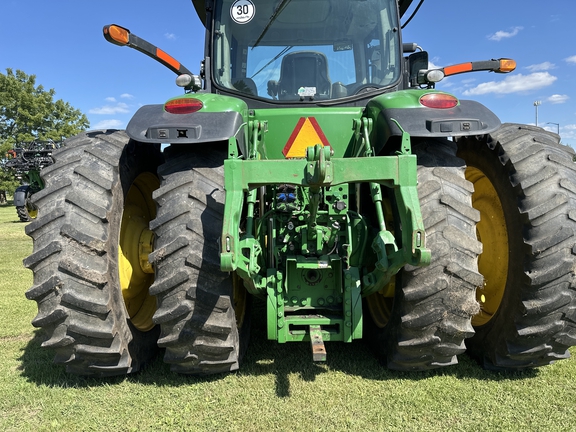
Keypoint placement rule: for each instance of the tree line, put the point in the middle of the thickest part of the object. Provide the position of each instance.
(29, 112)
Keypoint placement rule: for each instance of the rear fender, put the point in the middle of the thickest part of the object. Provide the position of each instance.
(20, 195)
(220, 118)
(465, 119)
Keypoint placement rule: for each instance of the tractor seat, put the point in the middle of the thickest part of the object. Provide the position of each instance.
(245, 85)
(304, 73)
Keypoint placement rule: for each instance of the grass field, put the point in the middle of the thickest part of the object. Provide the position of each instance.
(278, 387)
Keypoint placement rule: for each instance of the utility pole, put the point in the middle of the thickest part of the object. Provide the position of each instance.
(536, 105)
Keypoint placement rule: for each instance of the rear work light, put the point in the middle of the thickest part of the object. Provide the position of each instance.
(439, 100)
(183, 106)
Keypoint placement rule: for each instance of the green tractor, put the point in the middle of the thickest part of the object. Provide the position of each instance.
(311, 164)
(25, 161)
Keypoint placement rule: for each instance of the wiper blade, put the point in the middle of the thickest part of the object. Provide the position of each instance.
(277, 12)
(284, 51)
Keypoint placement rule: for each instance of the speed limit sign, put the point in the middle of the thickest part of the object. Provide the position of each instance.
(242, 11)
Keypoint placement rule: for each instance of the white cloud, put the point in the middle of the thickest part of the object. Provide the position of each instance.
(558, 99)
(170, 36)
(571, 59)
(501, 34)
(119, 108)
(110, 99)
(126, 96)
(541, 67)
(108, 124)
(549, 128)
(567, 132)
(517, 83)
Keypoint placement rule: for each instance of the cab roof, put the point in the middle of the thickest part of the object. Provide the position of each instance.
(200, 6)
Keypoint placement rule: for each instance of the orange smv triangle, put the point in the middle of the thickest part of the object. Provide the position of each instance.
(306, 133)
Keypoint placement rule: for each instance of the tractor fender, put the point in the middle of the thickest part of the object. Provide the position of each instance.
(468, 118)
(152, 124)
(20, 195)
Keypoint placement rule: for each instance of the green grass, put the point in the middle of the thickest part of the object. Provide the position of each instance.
(278, 388)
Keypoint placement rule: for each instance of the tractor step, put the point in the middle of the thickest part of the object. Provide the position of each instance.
(318, 348)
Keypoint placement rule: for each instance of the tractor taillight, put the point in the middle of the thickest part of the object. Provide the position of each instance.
(439, 100)
(183, 106)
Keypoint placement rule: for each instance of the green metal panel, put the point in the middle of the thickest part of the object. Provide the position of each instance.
(303, 246)
(337, 125)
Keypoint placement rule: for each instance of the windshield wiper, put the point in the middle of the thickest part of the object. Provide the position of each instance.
(284, 51)
(277, 12)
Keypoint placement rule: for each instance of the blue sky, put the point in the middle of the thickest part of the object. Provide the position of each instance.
(60, 41)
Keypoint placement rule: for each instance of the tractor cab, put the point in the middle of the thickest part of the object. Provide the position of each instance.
(304, 51)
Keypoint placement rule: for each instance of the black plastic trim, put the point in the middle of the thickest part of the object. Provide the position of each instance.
(151, 124)
(467, 119)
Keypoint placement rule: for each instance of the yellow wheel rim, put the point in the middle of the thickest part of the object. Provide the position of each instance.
(380, 304)
(492, 232)
(33, 213)
(135, 244)
(32, 210)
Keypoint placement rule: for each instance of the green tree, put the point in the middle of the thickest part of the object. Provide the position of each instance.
(28, 112)
(8, 183)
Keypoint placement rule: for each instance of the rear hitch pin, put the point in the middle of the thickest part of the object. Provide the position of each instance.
(318, 348)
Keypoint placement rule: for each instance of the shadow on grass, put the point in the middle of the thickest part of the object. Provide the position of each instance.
(263, 357)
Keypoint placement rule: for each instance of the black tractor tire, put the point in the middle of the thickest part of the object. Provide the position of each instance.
(203, 312)
(528, 307)
(425, 325)
(27, 211)
(75, 260)
(23, 214)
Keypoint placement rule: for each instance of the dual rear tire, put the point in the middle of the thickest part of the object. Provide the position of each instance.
(502, 210)
(91, 290)
(424, 325)
(100, 305)
(525, 189)
(511, 294)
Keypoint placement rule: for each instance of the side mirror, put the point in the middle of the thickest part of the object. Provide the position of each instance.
(417, 62)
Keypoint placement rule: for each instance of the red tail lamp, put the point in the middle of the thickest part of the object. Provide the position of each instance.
(183, 106)
(439, 100)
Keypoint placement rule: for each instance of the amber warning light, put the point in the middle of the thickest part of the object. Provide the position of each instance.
(507, 65)
(117, 35)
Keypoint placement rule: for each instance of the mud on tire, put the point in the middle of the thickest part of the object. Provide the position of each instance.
(525, 189)
(75, 259)
(429, 318)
